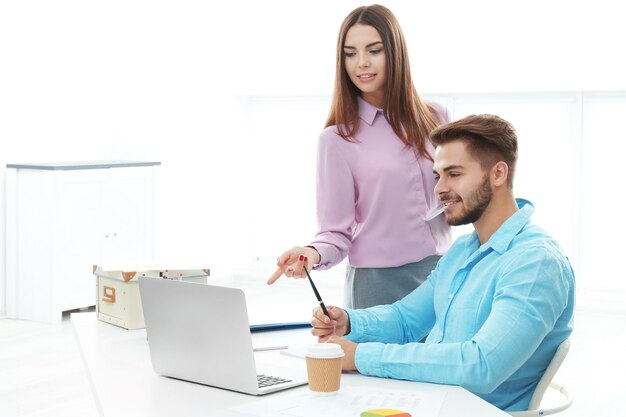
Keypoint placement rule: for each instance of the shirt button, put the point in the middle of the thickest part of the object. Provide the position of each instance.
(451, 296)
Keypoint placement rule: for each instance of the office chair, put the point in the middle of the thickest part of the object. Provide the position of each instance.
(544, 383)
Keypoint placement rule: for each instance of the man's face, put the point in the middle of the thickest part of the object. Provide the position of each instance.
(462, 185)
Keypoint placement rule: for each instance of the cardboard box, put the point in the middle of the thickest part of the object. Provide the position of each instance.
(118, 301)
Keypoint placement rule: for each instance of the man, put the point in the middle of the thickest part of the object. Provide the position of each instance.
(497, 305)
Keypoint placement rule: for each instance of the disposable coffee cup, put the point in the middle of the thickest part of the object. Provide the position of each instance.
(323, 365)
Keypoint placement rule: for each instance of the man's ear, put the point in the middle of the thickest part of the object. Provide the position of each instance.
(500, 174)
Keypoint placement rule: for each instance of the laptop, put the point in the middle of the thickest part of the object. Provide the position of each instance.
(200, 333)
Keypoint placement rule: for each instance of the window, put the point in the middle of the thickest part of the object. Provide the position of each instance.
(601, 225)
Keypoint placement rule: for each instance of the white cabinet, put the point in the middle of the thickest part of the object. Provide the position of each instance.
(61, 219)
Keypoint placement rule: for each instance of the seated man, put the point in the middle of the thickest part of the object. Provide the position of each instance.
(497, 305)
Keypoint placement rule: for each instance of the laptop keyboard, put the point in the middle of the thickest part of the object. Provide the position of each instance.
(268, 381)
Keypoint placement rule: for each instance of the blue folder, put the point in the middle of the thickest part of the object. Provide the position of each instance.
(279, 326)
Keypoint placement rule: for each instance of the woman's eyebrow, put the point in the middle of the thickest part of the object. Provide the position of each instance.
(367, 46)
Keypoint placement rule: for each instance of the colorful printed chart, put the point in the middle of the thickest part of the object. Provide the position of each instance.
(385, 413)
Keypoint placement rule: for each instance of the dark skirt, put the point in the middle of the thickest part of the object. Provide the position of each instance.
(367, 287)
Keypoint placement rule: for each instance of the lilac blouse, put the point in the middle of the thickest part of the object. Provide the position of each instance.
(373, 195)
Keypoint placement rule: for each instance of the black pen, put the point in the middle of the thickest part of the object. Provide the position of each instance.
(317, 294)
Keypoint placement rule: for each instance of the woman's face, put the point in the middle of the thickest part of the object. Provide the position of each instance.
(365, 62)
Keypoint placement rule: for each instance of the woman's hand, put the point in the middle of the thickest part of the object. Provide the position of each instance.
(292, 263)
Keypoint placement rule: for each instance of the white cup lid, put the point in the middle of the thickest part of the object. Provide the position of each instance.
(324, 351)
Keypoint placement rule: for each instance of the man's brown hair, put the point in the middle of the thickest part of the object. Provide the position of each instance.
(489, 139)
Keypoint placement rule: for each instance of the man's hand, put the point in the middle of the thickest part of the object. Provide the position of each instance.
(349, 348)
(338, 324)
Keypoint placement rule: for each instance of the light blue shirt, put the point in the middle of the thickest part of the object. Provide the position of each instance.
(494, 315)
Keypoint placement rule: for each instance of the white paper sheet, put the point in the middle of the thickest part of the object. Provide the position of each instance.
(347, 402)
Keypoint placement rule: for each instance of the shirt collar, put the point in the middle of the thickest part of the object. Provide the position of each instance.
(367, 112)
(505, 234)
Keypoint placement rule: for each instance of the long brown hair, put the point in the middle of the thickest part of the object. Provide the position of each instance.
(409, 116)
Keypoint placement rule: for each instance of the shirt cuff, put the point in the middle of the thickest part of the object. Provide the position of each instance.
(356, 324)
(367, 358)
(325, 261)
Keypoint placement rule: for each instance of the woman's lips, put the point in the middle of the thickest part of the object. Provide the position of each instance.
(366, 78)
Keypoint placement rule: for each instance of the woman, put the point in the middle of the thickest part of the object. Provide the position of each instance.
(375, 172)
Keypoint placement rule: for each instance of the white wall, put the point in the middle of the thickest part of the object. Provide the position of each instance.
(165, 80)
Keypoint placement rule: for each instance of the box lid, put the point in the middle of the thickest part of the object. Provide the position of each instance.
(130, 272)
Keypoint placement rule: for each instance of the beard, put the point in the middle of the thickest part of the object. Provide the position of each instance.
(476, 205)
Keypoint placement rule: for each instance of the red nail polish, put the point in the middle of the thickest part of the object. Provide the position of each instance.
(306, 259)
(301, 257)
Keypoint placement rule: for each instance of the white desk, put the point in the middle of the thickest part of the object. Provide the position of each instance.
(124, 384)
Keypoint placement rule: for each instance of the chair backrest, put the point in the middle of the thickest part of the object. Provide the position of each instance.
(546, 382)
(553, 366)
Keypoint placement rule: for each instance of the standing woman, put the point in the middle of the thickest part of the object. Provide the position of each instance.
(375, 182)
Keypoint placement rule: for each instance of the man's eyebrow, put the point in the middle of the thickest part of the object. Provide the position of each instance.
(367, 46)
(449, 168)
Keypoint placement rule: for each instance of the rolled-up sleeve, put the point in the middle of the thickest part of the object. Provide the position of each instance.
(385, 332)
